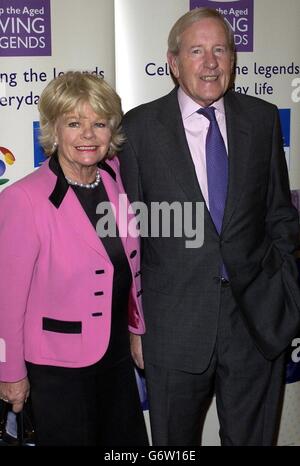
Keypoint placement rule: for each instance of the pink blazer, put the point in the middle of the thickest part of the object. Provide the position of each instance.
(51, 265)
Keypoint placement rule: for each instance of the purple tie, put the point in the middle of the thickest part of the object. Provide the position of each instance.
(217, 171)
(216, 168)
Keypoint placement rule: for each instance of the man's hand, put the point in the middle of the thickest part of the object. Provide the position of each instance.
(15, 393)
(136, 350)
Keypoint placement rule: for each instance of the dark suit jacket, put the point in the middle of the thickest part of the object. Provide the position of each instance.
(260, 232)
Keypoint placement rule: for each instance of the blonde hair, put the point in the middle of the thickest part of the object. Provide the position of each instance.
(71, 90)
(192, 17)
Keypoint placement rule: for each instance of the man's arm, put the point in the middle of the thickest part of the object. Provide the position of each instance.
(130, 172)
(282, 222)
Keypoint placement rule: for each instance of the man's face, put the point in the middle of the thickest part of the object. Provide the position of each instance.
(204, 64)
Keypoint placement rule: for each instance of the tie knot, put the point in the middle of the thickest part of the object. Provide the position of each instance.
(208, 112)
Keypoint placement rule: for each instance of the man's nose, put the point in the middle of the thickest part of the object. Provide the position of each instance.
(210, 60)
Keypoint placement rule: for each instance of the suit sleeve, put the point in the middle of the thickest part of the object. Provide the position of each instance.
(282, 220)
(129, 169)
(19, 246)
(282, 224)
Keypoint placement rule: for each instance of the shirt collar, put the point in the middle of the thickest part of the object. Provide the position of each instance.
(61, 185)
(188, 106)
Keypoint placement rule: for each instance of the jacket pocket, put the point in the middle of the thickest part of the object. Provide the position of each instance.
(61, 326)
(61, 340)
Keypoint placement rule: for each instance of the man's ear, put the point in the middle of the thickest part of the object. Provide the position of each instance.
(172, 60)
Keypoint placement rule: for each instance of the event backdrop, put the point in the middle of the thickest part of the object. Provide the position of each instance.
(38, 40)
(125, 41)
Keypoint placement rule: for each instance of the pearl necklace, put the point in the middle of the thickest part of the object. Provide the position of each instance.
(88, 185)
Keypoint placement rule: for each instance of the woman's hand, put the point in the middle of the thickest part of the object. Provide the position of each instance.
(15, 393)
(136, 350)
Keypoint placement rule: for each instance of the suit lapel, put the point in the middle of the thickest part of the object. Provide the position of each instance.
(175, 150)
(174, 146)
(71, 210)
(239, 140)
(120, 204)
(69, 207)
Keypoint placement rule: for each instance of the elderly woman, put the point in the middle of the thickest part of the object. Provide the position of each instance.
(71, 298)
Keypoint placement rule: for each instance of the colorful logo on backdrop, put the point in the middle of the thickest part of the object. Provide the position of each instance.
(6, 158)
(285, 121)
(39, 154)
(25, 28)
(239, 14)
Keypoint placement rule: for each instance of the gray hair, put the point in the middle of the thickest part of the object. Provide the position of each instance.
(192, 17)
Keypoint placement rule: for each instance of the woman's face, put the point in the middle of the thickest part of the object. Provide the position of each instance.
(83, 139)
